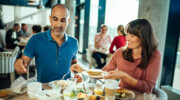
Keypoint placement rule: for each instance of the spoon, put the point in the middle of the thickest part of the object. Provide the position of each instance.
(84, 88)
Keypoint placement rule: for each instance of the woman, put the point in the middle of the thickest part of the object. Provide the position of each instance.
(139, 65)
(120, 40)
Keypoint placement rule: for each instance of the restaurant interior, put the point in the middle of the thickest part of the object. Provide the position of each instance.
(87, 16)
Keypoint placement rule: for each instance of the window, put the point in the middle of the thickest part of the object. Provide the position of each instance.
(120, 12)
(93, 21)
(176, 80)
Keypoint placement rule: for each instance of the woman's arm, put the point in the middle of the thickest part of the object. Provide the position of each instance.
(112, 46)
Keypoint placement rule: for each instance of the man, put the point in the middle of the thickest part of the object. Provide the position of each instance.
(24, 31)
(11, 37)
(102, 40)
(54, 50)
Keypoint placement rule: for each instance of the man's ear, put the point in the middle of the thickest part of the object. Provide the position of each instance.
(69, 20)
(49, 18)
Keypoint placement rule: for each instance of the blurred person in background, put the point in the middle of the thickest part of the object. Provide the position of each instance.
(23, 33)
(46, 28)
(118, 41)
(102, 40)
(12, 36)
(35, 29)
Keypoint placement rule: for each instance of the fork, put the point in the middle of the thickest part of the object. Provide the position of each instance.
(65, 75)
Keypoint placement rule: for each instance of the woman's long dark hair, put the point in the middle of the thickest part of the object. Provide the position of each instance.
(143, 30)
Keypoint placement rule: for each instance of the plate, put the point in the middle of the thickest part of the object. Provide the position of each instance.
(124, 94)
(48, 95)
(58, 83)
(103, 73)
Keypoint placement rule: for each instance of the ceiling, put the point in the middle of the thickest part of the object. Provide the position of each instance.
(47, 3)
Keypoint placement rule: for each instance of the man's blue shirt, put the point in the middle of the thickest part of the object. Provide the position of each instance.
(52, 61)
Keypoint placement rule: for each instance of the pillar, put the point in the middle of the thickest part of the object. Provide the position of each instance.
(70, 4)
(156, 11)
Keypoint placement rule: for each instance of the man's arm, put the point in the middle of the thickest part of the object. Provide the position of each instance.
(97, 43)
(21, 64)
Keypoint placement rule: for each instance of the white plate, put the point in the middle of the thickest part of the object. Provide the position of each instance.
(104, 73)
(48, 95)
(56, 82)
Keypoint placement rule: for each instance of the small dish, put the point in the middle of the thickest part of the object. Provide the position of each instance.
(63, 83)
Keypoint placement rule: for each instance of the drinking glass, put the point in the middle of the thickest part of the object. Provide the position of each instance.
(56, 87)
(33, 89)
(72, 82)
(98, 90)
(70, 94)
(110, 89)
(149, 96)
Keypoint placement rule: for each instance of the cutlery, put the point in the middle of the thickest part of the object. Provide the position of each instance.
(65, 75)
(75, 72)
(84, 88)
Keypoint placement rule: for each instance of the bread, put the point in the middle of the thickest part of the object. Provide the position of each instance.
(122, 91)
(94, 73)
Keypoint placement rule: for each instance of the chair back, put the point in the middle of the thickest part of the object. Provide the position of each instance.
(7, 60)
(161, 94)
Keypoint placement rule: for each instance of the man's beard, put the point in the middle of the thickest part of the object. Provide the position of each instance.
(58, 32)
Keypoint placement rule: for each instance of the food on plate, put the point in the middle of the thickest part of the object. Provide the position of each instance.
(95, 72)
(62, 83)
(93, 97)
(82, 95)
(124, 93)
(4, 93)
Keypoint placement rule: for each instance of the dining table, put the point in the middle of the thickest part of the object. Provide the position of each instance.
(138, 95)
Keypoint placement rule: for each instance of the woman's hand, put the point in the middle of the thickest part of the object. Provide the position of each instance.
(76, 68)
(116, 75)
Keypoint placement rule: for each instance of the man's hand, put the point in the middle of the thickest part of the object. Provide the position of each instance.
(79, 79)
(21, 66)
(77, 68)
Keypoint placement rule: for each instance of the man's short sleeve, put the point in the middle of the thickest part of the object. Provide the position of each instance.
(75, 51)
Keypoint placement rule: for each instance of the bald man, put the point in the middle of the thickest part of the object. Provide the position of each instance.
(54, 50)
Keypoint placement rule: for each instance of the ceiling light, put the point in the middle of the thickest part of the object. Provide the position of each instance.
(33, 2)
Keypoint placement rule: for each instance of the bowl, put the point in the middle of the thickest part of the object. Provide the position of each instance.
(59, 83)
(48, 95)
